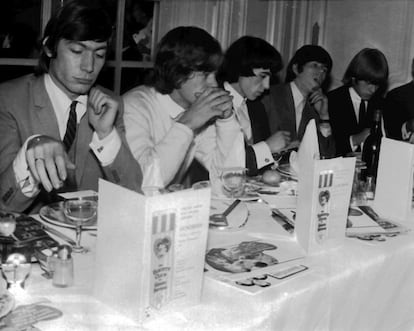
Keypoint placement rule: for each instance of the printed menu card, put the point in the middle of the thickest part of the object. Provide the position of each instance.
(150, 250)
(394, 187)
(324, 190)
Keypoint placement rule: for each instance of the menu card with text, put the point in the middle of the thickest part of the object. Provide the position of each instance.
(394, 186)
(150, 250)
(324, 190)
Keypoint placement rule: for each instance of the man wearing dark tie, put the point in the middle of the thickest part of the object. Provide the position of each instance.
(352, 105)
(57, 130)
(248, 65)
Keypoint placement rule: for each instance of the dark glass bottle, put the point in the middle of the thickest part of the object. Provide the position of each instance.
(371, 149)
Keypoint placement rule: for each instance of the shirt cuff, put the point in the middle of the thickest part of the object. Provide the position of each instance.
(353, 147)
(106, 149)
(23, 176)
(263, 154)
(405, 134)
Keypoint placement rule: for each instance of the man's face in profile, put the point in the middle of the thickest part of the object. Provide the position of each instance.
(253, 87)
(77, 65)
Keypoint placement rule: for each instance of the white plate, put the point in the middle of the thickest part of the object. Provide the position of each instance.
(236, 219)
(53, 214)
(6, 303)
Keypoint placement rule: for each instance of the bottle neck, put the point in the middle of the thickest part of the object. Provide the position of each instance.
(376, 124)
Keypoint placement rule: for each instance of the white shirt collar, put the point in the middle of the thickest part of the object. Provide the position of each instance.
(173, 109)
(354, 95)
(297, 95)
(61, 104)
(237, 98)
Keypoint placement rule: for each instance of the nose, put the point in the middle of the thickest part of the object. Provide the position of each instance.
(88, 62)
(211, 80)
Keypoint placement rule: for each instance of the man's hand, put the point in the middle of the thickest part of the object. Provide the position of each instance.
(102, 110)
(320, 102)
(278, 141)
(48, 161)
(359, 138)
(213, 102)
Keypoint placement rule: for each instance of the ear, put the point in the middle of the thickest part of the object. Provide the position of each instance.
(47, 50)
(295, 69)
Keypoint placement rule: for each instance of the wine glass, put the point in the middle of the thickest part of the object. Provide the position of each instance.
(79, 211)
(233, 180)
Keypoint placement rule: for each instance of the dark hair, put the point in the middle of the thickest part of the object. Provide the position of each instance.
(181, 52)
(78, 20)
(244, 55)
(305, 54)
(370, 65)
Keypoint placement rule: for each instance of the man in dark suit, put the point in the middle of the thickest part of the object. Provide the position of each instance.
(351, 106)
(57, 130)
(248, 64)
(292, 105)
(399, 111)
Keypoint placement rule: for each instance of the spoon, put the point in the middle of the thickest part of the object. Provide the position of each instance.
(220, 220)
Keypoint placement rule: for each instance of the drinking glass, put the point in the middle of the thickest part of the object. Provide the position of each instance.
(233, 180)
(15, 270)
(79, 211)
(7, 223)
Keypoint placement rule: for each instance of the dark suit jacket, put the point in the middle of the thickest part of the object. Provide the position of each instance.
(343, 119)
(26, 110)
(399, 108)
(280, 107)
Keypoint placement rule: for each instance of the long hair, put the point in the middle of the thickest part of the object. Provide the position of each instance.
(78, 20)
(244, 55)
(370, 65)
(181, 52)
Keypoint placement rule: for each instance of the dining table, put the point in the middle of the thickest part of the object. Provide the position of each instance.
(356, 285)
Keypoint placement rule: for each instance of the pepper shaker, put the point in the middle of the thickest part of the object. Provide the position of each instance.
(63, 267)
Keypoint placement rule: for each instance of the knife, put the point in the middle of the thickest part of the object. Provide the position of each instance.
(59, 234)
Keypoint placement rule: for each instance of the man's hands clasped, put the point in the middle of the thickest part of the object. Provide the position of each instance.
(213, 102)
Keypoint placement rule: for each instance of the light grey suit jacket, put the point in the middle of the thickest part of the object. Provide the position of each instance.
(26, 110)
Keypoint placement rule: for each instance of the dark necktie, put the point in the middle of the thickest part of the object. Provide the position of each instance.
(70, 127)
(361, 116)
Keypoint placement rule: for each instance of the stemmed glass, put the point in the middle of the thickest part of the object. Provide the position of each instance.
(233, 180)
(79, 211)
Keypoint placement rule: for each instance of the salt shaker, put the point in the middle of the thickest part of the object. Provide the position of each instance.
(63, 267)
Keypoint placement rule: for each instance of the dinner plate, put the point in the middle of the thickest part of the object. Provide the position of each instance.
(53, 214)
(236, 219)
(287, 171)
(6, 303)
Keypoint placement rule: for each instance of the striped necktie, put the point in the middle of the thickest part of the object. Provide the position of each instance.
(70, 127)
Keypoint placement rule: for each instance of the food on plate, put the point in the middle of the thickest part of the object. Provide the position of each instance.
(271, 177)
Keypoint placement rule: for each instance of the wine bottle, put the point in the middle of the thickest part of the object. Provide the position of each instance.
(371, 148)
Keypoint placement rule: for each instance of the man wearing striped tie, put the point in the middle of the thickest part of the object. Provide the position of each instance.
(57, 130)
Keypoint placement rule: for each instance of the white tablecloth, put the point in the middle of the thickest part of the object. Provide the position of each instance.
(363, 285)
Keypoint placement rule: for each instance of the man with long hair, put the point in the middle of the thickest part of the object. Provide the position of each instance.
(183, 115)
(351, 106)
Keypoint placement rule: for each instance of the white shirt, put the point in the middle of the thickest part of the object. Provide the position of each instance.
(299, 102)
(164, 147)
(61, 106)
(261, 150)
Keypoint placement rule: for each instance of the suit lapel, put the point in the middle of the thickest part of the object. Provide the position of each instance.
(84, 137)
(291, 112)
(46, 117)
